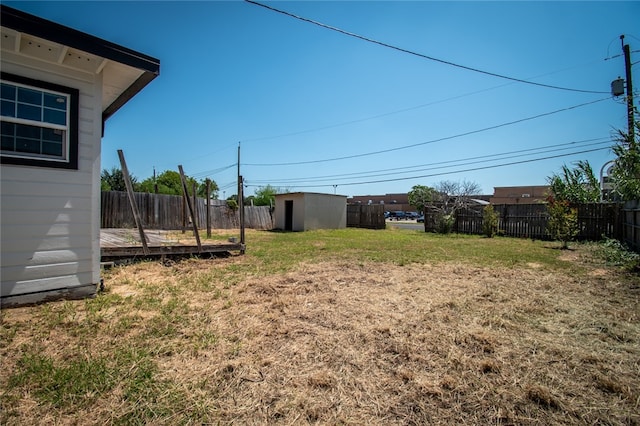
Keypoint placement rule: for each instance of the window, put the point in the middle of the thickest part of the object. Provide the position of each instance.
(39, 123)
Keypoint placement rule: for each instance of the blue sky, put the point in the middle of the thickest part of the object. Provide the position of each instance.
(318, 110)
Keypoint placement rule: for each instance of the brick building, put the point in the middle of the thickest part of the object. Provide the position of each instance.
(392, 202)
(519, 194)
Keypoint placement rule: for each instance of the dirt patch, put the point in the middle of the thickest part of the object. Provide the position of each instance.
(344, 343)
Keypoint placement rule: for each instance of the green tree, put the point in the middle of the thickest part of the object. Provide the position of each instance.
(168, 182)
(202, 189)
(266, 195)
(563, 221)
(489, 221)
(420, 196)
(577, 185)
(571, 187)
(113, 180)
(625, 173)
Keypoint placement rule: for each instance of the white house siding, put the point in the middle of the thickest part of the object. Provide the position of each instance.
(49, 218)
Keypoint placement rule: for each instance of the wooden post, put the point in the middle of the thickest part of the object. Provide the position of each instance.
(195, 204)
(241, 202)
(208, 208)
(193, 219)
(132, 201)
(184, 211)
(241, 207)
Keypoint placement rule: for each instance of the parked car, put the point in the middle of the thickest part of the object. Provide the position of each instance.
(411, 215)
(397, 215)
(420, 218)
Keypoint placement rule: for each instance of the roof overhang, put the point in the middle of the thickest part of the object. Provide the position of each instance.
(125, 72)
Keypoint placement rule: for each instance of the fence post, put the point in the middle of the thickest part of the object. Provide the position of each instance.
(134, 207)
(191, 210)
(195, 204)
(208, 207)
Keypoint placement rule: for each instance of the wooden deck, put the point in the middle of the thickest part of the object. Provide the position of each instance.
(125, 243)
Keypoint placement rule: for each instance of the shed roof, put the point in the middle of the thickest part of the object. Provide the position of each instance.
(125, 71)
(308, 193)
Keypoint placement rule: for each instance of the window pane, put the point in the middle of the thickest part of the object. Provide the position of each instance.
(50, 148)
(8, 128)
(29, 96)
(27, 145)
(8, 92)
(29, 112)
(54, 116)
(31, 132)
(8, 108)
(51, 135)
(55, 101)
(7, 143)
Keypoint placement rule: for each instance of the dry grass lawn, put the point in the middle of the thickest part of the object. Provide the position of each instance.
(331, 341)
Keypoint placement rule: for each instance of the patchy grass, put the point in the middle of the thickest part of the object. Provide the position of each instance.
(337, 327)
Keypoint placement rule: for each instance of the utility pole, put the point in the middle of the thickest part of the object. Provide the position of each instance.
(241, 201)
(155, 182)
(630, 109)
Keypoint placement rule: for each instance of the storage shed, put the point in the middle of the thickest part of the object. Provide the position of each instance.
(304, 211)
(59, 86)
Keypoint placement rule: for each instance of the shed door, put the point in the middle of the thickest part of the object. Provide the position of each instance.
(288, 215)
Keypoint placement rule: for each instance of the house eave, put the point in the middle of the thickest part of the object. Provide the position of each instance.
(129, 93)
(147, 66)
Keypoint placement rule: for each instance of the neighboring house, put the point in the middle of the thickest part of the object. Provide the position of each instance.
(59, 85)
(304, 211)
(519, 194)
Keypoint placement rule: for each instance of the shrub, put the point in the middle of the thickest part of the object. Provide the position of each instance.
(563, 221)
(489, 221)
(445, 223)
(232, 204)
(616, 253)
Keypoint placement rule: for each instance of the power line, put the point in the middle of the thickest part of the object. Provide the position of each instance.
(228, 185)
(386, 114)
(431, 58)
(438, 165)
(447, 173)
(347, 157)
(212, 172)
(448, 163)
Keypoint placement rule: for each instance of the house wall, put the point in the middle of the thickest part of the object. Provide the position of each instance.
(50, 218)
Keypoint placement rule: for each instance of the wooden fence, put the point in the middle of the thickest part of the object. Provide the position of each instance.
(159, 211)
(631, 224)
(596, 220)
(365, 216)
